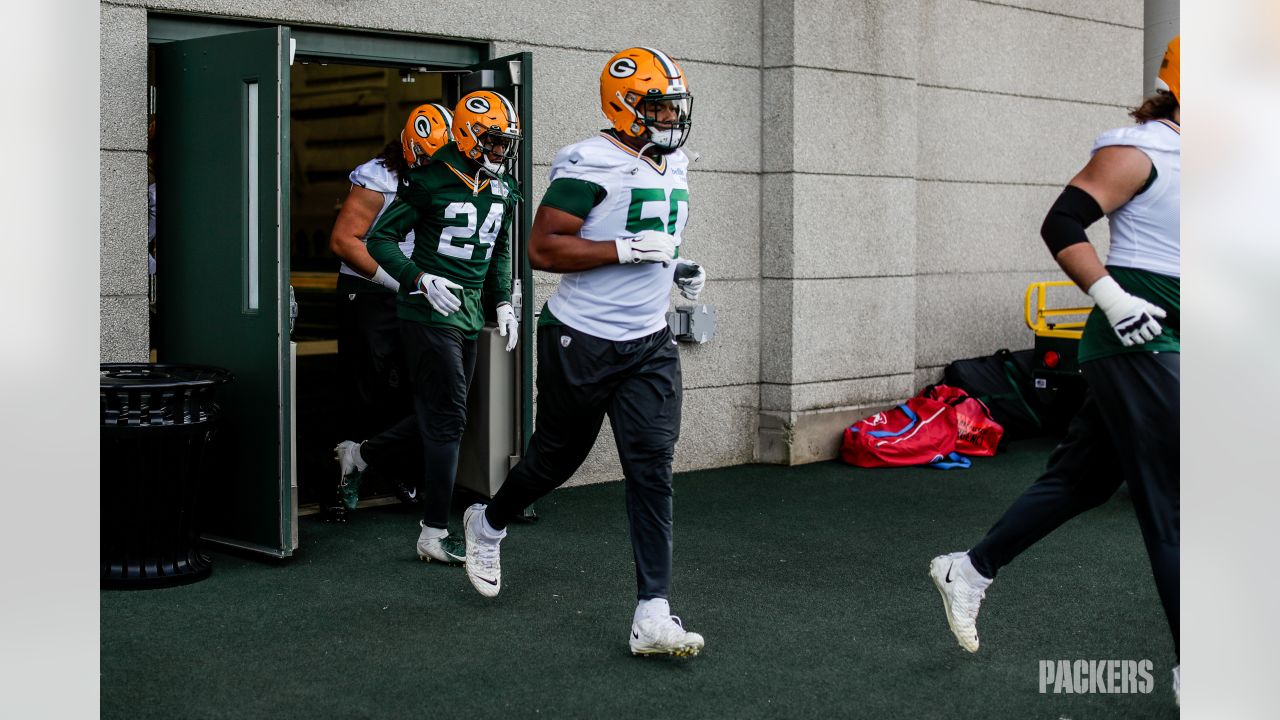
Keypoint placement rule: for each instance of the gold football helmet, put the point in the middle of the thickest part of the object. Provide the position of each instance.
(425, 132)
(644, 94)
(487, 130)
(1169, 78)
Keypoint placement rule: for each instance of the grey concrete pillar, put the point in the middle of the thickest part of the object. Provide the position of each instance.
(123, 244)
(1161, 21)
(838, 199)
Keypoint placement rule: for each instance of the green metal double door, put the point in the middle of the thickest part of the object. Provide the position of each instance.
(222, 171)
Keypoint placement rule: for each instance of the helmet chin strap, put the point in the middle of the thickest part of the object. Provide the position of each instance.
(635, 164)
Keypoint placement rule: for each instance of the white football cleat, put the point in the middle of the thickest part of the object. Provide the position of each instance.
(664, 635)
(962, 588)
(351, 469)
(484, 566)
(444, 549)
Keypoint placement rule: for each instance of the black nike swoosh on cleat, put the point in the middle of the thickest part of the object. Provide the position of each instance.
(949, 572)
(491, 582)
(635, 635)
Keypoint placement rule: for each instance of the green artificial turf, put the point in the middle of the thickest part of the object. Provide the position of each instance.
(809, 583)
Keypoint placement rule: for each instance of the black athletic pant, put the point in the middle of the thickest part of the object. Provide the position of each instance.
(441, 364)
(399, 447)
(1126, 431)
(637, 383)
(371, 363)
(371, 360)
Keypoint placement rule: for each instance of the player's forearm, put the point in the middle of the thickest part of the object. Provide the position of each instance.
(499, 276)
(384, 242)
(1080, 262)
(352, 251)
(551, 252)
(358, 213)
(384, 249)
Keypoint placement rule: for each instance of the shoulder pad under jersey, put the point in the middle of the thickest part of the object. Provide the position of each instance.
(594, 160)
(678, 159)
(1151, 136)
(375, 176)
(416, 185)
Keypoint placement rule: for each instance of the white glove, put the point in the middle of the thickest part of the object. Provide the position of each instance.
(690, 278)
(508, 326)
(1132, 318)
(382, 278)
(437, 290)
(650, 246)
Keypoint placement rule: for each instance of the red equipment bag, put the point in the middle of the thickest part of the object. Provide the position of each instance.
(917, 432)
(978, 433)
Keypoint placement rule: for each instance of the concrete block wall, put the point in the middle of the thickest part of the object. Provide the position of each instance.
(1011, 96)
(123, 172)
(870, 180)
(838, 298)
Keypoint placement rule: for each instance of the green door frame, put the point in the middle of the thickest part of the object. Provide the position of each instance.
(364, 47)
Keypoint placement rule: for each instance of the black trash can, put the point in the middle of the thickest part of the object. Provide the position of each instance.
(157, 424)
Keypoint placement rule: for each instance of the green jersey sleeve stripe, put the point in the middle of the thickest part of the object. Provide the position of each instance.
(573, 196)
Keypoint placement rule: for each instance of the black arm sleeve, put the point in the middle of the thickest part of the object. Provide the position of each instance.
(1072, 212)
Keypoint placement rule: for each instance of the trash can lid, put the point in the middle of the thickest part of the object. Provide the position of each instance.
(159, 376)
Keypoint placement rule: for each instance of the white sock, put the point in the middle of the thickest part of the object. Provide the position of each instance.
(487, 532)
(971, 574)
(653, 607)
(430, 533)
(361, 465)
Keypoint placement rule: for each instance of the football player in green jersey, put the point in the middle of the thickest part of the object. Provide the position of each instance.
(459, 208)
(370, 352)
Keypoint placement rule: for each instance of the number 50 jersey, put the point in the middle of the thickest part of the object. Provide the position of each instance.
(617, 194)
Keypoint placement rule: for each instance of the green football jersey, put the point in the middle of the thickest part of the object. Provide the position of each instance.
(462, 233)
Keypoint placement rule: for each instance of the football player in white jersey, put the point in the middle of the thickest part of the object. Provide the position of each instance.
(1127, 429)
(371, 354)
(611, 223)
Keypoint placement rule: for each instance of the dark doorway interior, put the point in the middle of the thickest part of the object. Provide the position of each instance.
(342, 115)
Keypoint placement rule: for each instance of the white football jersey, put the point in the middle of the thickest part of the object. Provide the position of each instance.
(1146, 232)
(622, 302)
(375, 176)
